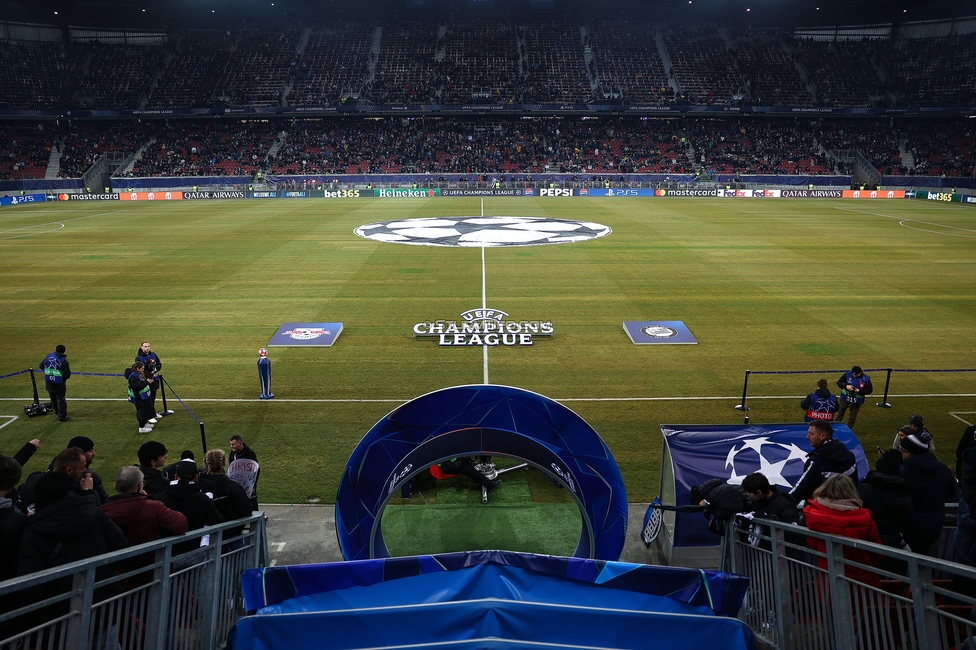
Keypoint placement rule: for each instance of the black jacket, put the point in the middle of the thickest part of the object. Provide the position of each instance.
(930, 485)
(25, 453)
(12, 522)
(66, 530)
(778, 507)
(153, 481)
(246, 452)
(187, 498)
(229, 497)
(832, 457)
(886, 496)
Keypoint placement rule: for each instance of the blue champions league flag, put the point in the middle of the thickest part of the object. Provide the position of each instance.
(659, 332)
(306, 335)
(695, 453)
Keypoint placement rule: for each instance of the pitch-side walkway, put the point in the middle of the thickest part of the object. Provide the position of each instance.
(305, 534)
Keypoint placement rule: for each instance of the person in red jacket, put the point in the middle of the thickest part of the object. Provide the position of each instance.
(836, 509)
(140, 518)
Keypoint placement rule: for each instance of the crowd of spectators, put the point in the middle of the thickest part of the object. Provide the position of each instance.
(118, 76)
(25, 150)
(197, 62)
(480, 63)
(702, 65)
(206, 149)
(333, 63)
(555, 67)
(821, 60)
(628, 62)
(260, 64)
(776, 146)
(769, 72)
(35, 75)
(457, 61)
(491, 145)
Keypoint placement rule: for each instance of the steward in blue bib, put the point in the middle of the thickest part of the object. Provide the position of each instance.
(860, 386)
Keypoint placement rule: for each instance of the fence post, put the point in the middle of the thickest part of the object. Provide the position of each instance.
(203, 438)
(840, 596)
(158, 622)
(783, 590)
(37, 399)
(210, 610)
(884, 400)
(745, 391)
(162, 388)
(923, 602)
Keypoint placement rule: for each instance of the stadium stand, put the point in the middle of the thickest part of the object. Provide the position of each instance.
(197, 61)
(405, 67)
(25, 151)
(332, 65)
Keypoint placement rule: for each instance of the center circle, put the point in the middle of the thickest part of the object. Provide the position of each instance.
(482, 231)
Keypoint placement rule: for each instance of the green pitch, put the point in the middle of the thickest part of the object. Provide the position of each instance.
(763, 284)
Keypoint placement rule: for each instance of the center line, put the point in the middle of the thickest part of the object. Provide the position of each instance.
(484, 298)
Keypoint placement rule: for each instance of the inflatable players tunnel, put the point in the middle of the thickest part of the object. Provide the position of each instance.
(475, 420)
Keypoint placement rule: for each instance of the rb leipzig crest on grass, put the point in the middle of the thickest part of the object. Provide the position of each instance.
(306, 334)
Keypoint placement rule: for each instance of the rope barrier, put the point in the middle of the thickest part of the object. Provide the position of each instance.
(883, 403)
(182, 403)
(14, 374)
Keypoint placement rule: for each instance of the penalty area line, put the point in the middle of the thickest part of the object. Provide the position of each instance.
(735, 398)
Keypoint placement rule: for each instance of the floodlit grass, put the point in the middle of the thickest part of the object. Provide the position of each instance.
(763, 284)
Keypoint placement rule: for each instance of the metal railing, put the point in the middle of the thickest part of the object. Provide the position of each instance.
(907, 601)
(152, 596)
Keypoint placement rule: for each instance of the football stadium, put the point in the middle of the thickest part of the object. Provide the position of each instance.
(487, 324)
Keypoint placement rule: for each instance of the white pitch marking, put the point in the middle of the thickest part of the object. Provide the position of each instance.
(484, 298)
(956, 415)
(11, 419)
(903, 222)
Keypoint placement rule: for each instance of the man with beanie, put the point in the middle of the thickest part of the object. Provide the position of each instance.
(915, 425)
(185, 496)
(152, 458)
(854, 385)
(820, 404)
(186, 454)
(56, 374)
(930, 485)
(12, 520)
(828, 457)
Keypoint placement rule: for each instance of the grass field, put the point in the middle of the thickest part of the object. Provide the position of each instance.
(764, 285)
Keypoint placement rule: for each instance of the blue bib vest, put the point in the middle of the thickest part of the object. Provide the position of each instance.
(821, 408)
(52, 369)
(858, 383)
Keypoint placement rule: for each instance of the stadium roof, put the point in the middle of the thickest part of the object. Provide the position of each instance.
(177, 14)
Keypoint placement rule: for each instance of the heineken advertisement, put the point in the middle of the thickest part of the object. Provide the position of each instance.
(402, 193)
(490, 327)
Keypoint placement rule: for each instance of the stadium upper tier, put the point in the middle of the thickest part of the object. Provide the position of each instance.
(454, 62)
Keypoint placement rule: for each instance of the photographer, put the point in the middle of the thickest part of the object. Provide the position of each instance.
(140, 394)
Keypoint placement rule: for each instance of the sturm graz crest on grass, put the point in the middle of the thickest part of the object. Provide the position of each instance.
(482, 231)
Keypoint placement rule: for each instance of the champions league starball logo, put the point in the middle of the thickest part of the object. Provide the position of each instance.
(659, 332)
(306, 333)
(769, 458)
(482, 231)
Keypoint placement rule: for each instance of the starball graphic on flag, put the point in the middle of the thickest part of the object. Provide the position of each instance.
(764, 456)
